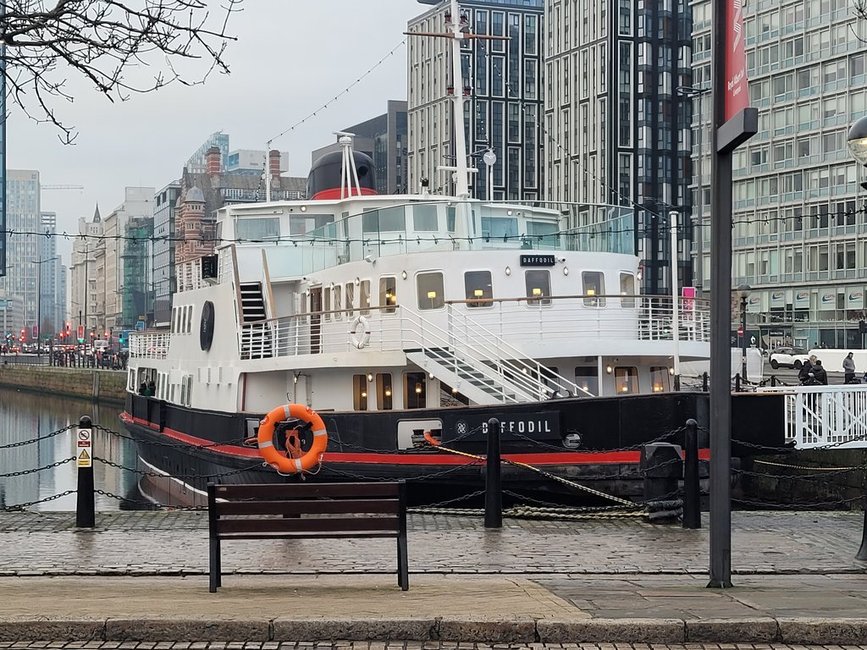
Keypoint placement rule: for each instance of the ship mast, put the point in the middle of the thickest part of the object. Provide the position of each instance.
(462, 189)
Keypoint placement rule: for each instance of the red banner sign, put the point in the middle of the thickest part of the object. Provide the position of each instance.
(737, 92)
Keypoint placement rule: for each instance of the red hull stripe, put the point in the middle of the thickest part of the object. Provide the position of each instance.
(546, 458)
(334, 193)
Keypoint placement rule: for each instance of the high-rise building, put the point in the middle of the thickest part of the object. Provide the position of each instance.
(165, 209)
(502, 81)
(799, 219)
(86, 295)
(198, 162)
(50, 270)
(616, 124)
(22, 250)
(251, 161)
(384, 139)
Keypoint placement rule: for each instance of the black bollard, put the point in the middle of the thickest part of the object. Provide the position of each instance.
(691, 488)
(493, 491)
(704, 386)
(85, 516)
(773, 381)
(862, 552)
(738, 383)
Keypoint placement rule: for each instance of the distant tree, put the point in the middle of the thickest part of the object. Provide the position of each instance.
(121, 47)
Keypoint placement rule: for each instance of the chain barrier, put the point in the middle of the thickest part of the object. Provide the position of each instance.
(798, 505)
(812, 468)
(25, 472)
(19, 507)
(151, 505)
(13, 445)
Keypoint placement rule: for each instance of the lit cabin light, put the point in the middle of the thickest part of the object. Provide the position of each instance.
(431, 294)
(609, 369)
(478, 293)
(369, 377)
(388, 392)
(364, 393)
(591, 292)
(537, 291)
(418, 389)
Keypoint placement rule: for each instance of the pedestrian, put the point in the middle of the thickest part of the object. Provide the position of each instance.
(152, 388)
(804, 374)
(819, 374)
(143, 389)
(849, 369)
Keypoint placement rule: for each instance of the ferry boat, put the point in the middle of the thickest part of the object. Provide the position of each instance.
(403, 320)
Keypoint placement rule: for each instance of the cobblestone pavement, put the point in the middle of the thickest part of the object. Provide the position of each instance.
(396, 645)
(171, 543)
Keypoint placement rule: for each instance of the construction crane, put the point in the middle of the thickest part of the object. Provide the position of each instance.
(80, 188)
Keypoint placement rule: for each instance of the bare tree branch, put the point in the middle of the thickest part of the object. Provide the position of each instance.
(121, 47)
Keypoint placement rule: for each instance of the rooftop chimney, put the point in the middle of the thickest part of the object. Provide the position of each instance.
(274, 163)
(213, 158)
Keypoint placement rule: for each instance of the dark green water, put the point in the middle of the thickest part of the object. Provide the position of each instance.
(25, 416)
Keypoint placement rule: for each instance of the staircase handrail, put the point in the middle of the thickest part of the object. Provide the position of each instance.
(517, 360)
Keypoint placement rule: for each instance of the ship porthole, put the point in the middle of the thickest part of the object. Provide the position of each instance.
(206, 328)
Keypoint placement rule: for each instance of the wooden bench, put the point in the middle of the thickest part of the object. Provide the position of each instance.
(304, 511)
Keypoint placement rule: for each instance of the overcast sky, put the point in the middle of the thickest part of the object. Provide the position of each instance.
(290, 58)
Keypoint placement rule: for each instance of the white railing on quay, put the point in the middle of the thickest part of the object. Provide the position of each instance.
(149, 345)
(825, 416)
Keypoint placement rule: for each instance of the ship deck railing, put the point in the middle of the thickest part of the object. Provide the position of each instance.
(824, 417)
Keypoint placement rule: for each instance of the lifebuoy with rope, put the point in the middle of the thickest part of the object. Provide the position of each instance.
(359, 332)
(295, 461)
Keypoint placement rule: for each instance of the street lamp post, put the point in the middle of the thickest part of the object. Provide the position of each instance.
(743, 294)
(490, 159)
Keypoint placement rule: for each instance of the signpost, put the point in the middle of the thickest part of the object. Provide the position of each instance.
(85, 515)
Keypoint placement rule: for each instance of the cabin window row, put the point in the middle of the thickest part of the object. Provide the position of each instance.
(182, 319)
(478, 292)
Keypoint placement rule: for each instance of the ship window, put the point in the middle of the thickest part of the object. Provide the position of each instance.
(430, 290)
(350, 298)
(593, 288)
(338, 308)
(424, 218)
(258, 228)
(189, 319)
(626, 380)
(660, 379)
(364, 298)
(359, 392)
(538, 284)
(326, 299)
(627, 288)
(586, 378)
(384, 220)
(496, 227)
(478, 287)
(388, 293)
(384, 391)
(414, 390)
(451, 215)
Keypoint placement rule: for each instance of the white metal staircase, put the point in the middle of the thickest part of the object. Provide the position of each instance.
(255, 341)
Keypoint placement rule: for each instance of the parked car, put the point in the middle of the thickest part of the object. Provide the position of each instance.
(789, 358)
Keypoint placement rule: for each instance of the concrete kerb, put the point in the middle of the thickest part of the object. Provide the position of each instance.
(807, 631)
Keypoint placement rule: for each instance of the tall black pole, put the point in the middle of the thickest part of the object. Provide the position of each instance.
(85, 508)
(720, 348)
(744, 338)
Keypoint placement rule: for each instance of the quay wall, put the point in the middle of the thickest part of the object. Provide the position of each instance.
(82, 383)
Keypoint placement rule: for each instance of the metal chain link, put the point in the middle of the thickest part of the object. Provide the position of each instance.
(832, 470)
(24, 472)
(18, 507)
(13, 445)
(153, 505)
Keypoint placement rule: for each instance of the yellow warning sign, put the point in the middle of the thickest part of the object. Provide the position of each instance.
(84, 458)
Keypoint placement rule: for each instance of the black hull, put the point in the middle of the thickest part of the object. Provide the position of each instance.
(364, 445)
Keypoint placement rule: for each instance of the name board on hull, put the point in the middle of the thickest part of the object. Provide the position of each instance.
(537, 260)
(543, 425)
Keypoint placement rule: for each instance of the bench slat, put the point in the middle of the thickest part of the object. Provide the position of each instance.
(306, 490)
(308, 506)
(302, 535)
(259, 525)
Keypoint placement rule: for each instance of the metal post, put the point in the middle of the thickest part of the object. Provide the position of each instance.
(85, 515)
(691, 488)
(675, 315)
(720, 569)
(744, 338)
(493, 492)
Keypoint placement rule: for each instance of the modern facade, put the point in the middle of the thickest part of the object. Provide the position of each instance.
(251, 161)
(502, 82)
(198, 162)
(51, 280)
(20, 284)
(384, 139)
(616, 124)
(164, 284)
(800, 230)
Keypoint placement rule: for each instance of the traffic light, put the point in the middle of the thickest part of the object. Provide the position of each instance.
(81, 333)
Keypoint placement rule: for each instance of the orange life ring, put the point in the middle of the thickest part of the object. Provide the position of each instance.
(277, 460)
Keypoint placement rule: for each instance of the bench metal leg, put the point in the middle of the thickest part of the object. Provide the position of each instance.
(402, 562)
(215, 570)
